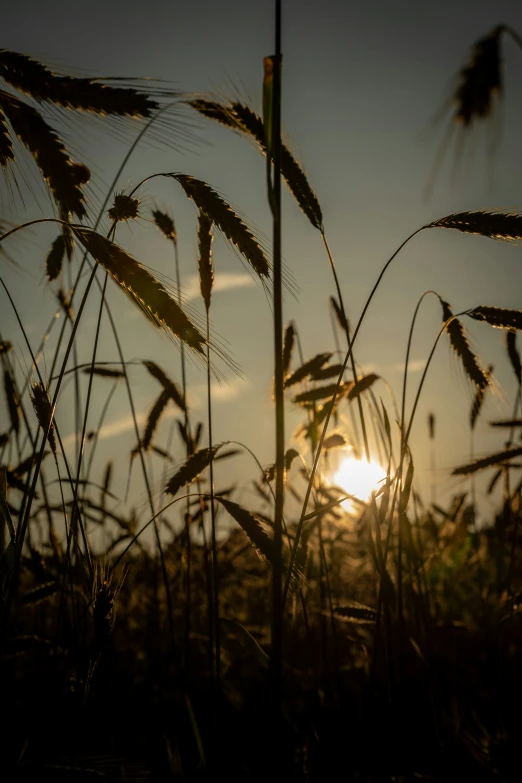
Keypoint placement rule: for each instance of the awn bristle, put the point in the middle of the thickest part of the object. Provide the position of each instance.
(165, 224)
(486, 462)
(142, 287)
(514, 356)
(49, 153)
(42, 408)
(241, 118)
(306, 369)
(206, 270)
(154, 417)
(496, 225)
(460, 344)
(228, 222)
(32, 78)
(54, 260)
(499, 317)
(11, 398)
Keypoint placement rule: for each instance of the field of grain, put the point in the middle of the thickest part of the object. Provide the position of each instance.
(327, 621)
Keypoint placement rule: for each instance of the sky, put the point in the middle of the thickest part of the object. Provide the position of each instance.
(363, 84)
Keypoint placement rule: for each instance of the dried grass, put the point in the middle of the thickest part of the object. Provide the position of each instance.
(241, 118)
(288, 345)
(487, 462)
(514, 356)
(499, 317)
(227, 221)
(191, 469)
(175, 393)
(460, 344)
(307, 369)
(142, 287)
(33, 78)
(154, 417)
(54, 260)
(63, 178)
(495, 225)
(165, 224)
(13, 405)
(42, 408)
(480, 81)
(206, 270)
(361, 385)
(6, 145)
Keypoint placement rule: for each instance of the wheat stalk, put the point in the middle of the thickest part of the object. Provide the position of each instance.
(52, 158)
(496, 225)
(142, 287)
(460, 344)
(154, 417)
(81, 94)
(54, 260)
(487, 462)
(499, 317)
(243, 119)
(191, 469)
(306, 369)
(227, 221)
(206, 270)
(42, 408)
(514, 356)
(170, 386)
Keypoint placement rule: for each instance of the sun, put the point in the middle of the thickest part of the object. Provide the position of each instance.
(358, 478)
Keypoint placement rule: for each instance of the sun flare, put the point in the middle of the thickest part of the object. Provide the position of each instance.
(358, 478)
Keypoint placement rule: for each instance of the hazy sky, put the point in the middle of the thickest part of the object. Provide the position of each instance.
(362, 83)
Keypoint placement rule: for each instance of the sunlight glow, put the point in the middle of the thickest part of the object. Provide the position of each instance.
(359, 478)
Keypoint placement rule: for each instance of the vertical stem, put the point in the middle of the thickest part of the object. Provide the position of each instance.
(348, 340)
(215, 580)
(277, 603)
(188, 575)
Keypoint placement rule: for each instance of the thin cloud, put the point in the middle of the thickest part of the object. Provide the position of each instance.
(197, 399)
(414, 365)
(223, 281)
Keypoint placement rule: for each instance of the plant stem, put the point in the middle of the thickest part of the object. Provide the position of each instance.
(275, 201)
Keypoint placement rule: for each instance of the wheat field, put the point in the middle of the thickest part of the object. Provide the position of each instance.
(162, 618)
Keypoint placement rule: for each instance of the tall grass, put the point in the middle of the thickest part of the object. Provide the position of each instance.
(295, 638)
